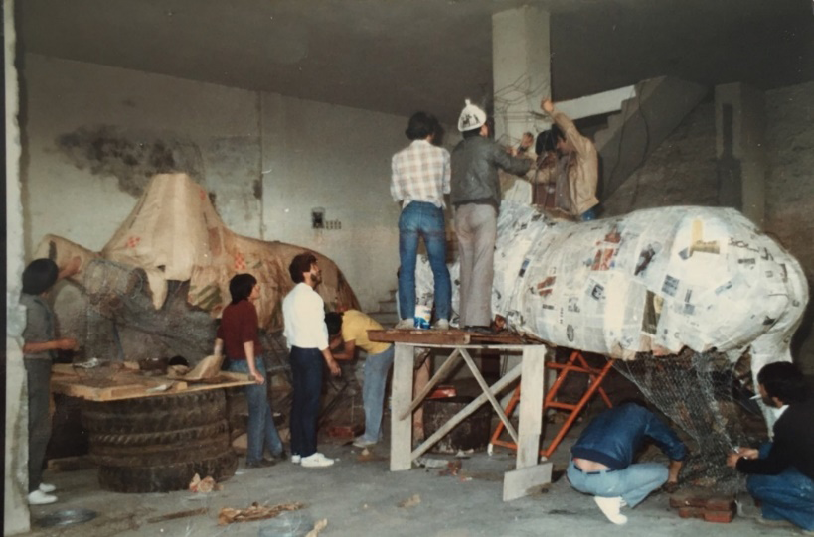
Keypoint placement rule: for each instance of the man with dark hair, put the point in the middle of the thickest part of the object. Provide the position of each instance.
(574, 172)
(349, 330)
(781, 473)
(307, 337)
(420, 179)
(602, 458)
(39, 351)
(476, 197)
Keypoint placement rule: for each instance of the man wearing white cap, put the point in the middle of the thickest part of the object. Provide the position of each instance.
(476, 198)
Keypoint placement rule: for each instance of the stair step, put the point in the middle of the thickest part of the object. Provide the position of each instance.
(386, 319)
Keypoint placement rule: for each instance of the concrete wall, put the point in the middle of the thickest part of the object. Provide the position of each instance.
(94, 135)
(682, 171)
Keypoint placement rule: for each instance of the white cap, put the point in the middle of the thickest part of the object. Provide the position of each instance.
(471, 117)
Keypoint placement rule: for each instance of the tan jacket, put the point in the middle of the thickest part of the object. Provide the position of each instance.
(582, 168)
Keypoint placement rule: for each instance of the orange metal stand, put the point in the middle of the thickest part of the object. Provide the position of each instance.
(576, 363)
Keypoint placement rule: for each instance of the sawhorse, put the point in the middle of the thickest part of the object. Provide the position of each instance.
(530, 473)
(576, 363)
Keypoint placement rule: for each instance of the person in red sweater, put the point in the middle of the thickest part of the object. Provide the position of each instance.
(237, 335)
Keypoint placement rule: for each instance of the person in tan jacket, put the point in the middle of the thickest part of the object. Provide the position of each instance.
(574, 168)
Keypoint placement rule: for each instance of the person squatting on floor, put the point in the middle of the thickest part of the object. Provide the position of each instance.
(420, 178)
(39, 351)
(349, 329)
(307, 337)
(781, 473)
(237, 334)
(602, 458)
(476, 198)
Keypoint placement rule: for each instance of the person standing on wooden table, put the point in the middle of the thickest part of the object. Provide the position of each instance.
(349, 331)
(476, 198)
(39, 351)
(307, 337)
(237, 334)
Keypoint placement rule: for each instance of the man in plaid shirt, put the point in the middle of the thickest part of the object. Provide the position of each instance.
(421, 175)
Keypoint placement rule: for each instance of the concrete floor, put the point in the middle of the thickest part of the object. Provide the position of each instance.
(362, 498)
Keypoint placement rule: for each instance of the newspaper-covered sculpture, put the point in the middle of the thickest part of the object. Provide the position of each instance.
(655, 280)
(174, 233)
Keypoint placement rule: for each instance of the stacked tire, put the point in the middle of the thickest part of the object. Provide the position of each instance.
(158, 443)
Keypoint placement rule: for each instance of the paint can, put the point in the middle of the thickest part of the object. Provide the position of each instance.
(421, 319)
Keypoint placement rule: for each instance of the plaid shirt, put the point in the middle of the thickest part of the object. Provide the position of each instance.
(421, 173)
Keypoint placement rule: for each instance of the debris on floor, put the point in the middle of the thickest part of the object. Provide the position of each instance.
(319, 525)
(452, 468)
(207, 484)
(178, 514)
(228, 515)
(369, 456)
(708, 505)
(412, 501)
(429, 463)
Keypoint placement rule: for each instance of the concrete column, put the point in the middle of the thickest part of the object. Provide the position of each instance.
(521, 66)
(15, 484)
(741, 123)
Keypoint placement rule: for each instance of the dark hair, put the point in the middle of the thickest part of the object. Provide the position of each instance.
(421, 125)
(300, 265)
(333, 320)
(470, 133)
(547, 140)
(241, 286)
(784, 381)
(39, 276)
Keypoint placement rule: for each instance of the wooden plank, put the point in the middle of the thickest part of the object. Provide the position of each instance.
(486, 390)
(465, 412)
(532, 386)
(524, 481)
(401, 424)
(442, 372)
(418, 337)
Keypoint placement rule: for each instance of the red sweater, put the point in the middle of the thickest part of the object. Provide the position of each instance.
(239, 324)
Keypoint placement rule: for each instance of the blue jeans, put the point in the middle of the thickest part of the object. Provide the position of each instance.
(788, 495)
(260, 429)
(422, 218)
(633, 483)
(306, 373)
(376, 368)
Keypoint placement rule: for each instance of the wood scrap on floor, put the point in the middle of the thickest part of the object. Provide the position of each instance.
(178, 514)
(412, 501)
(207, 484)
(228, 515)
(319, 525)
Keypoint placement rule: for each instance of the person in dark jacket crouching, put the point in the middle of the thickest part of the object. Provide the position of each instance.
(602, 458)
(781, 473)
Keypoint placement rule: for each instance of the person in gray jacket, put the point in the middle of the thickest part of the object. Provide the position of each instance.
(476, 198)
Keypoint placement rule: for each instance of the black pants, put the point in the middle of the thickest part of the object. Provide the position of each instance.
(306, 370)
(39, 418)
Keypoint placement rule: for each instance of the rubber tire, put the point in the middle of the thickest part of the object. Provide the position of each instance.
(168, 477)
(166, 455)
(190, 434)
(151, 414)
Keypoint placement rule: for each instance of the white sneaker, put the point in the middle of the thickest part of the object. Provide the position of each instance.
(441, 324)
(296, 459)
(405, 324)
(362, 442)
(317, 460)
(610, 508)
(38, 497)
(47, 487)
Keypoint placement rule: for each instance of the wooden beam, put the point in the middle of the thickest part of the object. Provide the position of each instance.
(402, 394)
(487, 391)
(441, 373)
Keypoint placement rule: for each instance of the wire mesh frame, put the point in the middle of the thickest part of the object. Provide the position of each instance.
(695, 391)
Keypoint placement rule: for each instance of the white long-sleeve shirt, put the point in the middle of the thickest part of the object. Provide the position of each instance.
(304, 318)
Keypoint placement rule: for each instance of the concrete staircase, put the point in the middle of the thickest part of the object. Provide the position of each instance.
(388, 314)
(645, 120)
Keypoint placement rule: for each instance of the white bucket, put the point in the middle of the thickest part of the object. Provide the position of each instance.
(421, 319)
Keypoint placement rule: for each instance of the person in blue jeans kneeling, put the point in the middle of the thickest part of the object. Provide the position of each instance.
(350, 329)
(781, 473)
(237, 334)
(602, 458)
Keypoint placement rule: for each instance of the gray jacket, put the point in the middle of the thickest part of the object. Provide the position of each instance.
(474, 163)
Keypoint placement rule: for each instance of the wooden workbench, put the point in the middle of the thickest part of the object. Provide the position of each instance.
(114, 383)
(530, 472)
